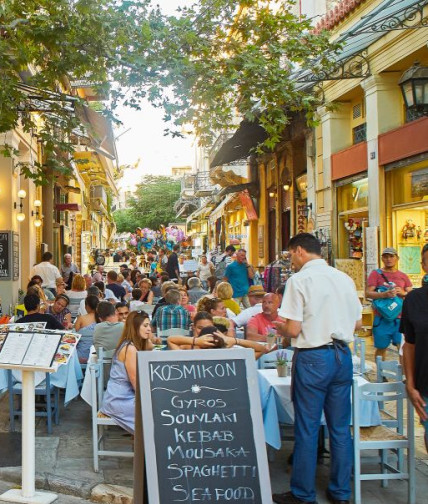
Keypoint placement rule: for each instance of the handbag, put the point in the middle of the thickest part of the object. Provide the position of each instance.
(388, 308)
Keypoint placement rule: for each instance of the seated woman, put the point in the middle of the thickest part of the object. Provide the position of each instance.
(85, 326)
(225, 293)
(60, 311)
(215, 307)
(209, 337)
(147, 295)
(184, 301)
(76, 294)
(119, 398)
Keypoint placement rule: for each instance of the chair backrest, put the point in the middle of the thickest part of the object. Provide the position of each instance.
(267, 361)
(175, 331)
(359, 350)
(381, 393)
(390, 370)
(148, 308)
(74, 306)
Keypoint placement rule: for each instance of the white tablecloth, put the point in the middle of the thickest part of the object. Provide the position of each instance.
(275, 396)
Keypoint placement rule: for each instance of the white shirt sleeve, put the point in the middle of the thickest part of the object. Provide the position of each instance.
(292, 302)
(57, 273)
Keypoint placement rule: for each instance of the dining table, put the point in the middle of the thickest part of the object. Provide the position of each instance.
(68, 377)
(277, 406)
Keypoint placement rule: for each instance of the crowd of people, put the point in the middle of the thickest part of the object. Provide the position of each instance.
(156, 300)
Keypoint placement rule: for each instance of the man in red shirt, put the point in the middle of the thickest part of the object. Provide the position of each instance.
(260, 325)
(387, 331)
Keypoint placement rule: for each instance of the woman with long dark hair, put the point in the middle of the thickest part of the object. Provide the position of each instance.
(119, 399)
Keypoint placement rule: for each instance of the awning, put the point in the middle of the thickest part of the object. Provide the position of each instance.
(99, 131)
(248, 135)
(71, 207)
(387, 16)
(218, 210)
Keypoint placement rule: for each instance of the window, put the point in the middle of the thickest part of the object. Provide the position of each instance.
(359, 134)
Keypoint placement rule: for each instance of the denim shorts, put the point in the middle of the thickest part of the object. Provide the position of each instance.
(386, 332)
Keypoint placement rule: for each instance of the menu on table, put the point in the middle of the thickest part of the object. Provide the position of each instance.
(29, 349)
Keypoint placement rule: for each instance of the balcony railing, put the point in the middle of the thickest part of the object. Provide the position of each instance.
(203, 185)
(221, 139)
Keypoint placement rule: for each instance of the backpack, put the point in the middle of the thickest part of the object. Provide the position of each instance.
(388, 308)
(220, 269)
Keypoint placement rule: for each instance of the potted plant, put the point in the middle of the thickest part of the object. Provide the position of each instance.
(281, 363)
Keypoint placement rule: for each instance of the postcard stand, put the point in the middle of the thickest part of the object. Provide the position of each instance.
(28, 492)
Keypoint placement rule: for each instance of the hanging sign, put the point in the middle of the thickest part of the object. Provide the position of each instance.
(248, 205)
(202, 427)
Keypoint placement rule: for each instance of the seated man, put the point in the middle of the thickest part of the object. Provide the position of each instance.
(195, 291)
(32, 306)
(171, 314)
(112, 285)
(260, 325)
(255, 296)
(166, 286)
(107, 332)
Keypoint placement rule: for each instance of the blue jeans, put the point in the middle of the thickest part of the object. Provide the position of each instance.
(322, 381)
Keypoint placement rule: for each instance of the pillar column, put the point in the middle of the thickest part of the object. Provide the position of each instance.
(383, 113)
(336, 135)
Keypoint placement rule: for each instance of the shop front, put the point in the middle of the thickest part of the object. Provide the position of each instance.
(407, 212)
(352, 219)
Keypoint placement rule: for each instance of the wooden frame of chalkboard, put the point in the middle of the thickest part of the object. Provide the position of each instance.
(199, 429)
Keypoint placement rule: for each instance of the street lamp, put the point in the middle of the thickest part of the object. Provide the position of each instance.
(414, 86)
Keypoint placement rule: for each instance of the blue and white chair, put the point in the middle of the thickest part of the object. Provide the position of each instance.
(384, 439)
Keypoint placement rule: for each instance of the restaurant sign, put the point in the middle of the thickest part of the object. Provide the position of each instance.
(199, 419)
(301, 216)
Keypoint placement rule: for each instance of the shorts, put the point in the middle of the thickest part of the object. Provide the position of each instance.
(386, 332)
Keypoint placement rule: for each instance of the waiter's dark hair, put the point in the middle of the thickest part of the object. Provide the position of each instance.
(307, 241)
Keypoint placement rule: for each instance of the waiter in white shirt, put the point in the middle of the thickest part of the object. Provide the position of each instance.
(48, 271)
(322, 311)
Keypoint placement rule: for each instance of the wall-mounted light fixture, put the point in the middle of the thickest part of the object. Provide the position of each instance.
(272, 194)
(36, 213)
(307, 210)
(287, 185)
(20, 215)
(414, 87)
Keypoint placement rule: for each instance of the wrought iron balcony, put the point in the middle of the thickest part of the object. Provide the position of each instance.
(203, 185)
(221, 139)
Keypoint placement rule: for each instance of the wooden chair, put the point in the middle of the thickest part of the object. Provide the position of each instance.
(50, 409)
(100, 421)
(383, 438)
(388, 371)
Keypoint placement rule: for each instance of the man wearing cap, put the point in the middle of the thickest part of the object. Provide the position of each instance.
(399, 284)
(255, 296)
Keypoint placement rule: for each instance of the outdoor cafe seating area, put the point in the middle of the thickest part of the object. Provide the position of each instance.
(377, 426)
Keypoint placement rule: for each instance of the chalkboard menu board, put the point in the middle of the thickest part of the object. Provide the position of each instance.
(5, 255)
(201, 418)
(9, 255)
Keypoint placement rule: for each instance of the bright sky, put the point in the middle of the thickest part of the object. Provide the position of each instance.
(145, 139)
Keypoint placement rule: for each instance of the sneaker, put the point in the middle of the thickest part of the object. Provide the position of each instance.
(289, 498)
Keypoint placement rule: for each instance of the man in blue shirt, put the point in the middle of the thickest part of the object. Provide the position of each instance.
(239, 274)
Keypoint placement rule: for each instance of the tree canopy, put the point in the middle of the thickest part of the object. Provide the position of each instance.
(203, 66)
(152, 205)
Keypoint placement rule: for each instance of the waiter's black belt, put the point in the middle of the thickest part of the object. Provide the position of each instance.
(330, 346)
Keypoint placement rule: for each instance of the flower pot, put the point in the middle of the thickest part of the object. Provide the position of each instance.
(281, 369)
